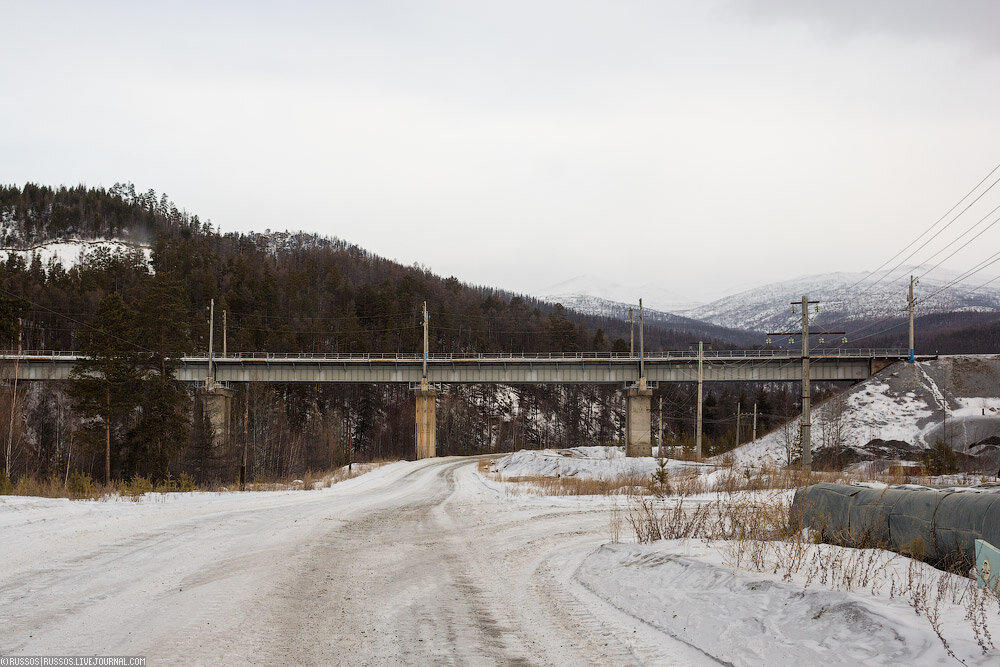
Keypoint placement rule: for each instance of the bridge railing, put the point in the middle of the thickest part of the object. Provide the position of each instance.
(851, 353)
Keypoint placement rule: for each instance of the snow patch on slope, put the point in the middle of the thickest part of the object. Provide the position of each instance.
(957, 397)
(71, 252)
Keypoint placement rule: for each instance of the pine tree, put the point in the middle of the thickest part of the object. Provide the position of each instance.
(941, 459)
(162, 428)
(104, 378)
(660, 479)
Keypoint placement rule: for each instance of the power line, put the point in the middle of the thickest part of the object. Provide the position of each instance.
(986, 263)
(963, 246)
(935, 235)
(78, 322)
(925, 232)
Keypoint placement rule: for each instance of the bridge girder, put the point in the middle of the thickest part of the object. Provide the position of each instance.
(485, 370)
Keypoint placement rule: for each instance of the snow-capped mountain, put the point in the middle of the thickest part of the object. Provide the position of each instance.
(848, 298)
(591, 295)
(618, 310)
(854, 302)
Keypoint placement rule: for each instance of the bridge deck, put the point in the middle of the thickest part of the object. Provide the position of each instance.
(607, 368)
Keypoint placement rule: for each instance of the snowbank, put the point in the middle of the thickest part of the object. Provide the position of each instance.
(581, 462)
(689, 590)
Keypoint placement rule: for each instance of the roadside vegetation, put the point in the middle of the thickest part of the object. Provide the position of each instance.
(81, 486)
(744, 512)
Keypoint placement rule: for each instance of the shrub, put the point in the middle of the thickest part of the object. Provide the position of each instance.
(136, 487)
(186, 482)
(80, 485)
(660, 480)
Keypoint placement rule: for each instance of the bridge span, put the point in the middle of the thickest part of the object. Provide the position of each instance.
(559, 368)
(426, 373)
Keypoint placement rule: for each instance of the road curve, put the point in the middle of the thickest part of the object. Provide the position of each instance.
(414, 563)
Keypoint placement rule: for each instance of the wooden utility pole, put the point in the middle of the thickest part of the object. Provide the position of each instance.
(755, 421)
(806, 421)
(223, 334)
(631, 335)
(944, 420)
(911, 303)
(701, 378)
(642, 360)
(246, 440)
(739, 408)
(211, 345)
(426, 344)
(806, 401)
(659, 422)
(107, 439)
(13, 404)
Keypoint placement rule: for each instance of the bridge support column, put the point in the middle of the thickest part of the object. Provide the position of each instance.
(217, 402)
(637, 420)
(426, 423)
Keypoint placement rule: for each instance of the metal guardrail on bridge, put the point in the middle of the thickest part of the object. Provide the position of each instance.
(851, 353)
(505, 368)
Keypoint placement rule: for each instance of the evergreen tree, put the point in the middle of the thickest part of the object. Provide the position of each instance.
(104, 378)
(941, 459)
(11, 313)
(162, 428)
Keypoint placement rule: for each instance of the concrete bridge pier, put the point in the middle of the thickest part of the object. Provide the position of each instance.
(426, 423)
(638, 426)
(217, 403)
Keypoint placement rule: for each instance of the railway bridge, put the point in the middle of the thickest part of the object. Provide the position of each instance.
(426, 373)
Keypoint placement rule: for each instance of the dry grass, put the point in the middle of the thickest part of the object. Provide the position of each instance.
(80, 486)
(726, 477)
(757, 536)
(572, 486)
(747, 510)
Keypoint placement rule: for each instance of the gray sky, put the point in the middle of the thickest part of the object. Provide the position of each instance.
(705, 146)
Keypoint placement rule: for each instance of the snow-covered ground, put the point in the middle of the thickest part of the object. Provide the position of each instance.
(691, 591)
(581, 462)
(425, 562)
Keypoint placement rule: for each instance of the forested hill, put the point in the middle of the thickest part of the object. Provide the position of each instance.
(134, 309)
(282, 292)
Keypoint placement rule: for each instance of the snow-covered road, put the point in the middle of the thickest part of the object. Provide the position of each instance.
(431, 563)
(413, 563)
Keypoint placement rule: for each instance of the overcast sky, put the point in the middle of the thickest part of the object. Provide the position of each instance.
(705, 146)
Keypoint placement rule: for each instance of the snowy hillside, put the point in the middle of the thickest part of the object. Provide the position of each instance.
(70, 252)
(846, 299)
(956, 399)
(617, 310)
(591, 295)
(768, 308)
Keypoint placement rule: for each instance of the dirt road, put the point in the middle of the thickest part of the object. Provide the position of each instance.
(414, 563)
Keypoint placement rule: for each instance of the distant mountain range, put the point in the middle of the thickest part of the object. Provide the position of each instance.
(846, 300)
